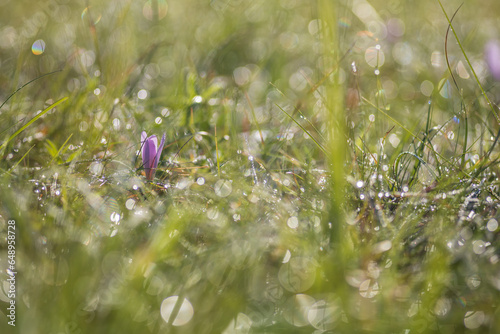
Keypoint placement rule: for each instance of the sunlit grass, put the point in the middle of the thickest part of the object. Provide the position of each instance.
(328, 167)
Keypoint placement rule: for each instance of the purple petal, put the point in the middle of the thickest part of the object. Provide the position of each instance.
(155, 141)
(160, 149)
(148, 156)
(492, 55)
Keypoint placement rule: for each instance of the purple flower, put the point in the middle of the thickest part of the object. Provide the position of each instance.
(492, 55)
(151, 153)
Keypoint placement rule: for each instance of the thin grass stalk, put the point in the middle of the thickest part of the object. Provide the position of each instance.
(334, 222)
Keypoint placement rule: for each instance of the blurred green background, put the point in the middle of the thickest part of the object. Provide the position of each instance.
(248, 227)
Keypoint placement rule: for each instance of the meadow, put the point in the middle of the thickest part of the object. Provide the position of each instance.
(326, 166)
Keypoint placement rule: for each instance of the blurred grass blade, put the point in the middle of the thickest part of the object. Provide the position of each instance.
(50, 147)
(26, 84)
(61, 149)
(34, 119)
(254, 118)
(217, 152)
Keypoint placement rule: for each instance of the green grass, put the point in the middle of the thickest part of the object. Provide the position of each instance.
(330, 167)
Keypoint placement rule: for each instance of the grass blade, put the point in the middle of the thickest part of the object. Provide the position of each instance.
(17, 163)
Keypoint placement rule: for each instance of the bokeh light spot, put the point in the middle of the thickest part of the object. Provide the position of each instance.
(374, 56)
(38, 47)
(183, 316)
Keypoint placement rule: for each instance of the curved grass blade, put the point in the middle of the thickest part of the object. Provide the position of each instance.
(446, 48)
(32, 121)
(303, 129)
(26, 84)
(217, 152)
(469, 63)
(420, 161)
(61, 149)
(413, 135)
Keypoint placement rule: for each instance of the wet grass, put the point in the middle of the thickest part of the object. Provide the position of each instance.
(328, 167)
